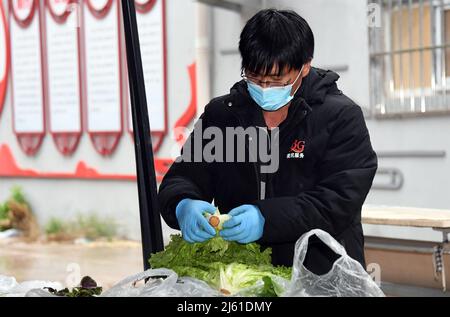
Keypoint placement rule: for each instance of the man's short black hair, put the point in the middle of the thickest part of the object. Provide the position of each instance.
(276, 38)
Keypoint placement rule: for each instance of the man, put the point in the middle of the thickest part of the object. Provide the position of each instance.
(326, 161)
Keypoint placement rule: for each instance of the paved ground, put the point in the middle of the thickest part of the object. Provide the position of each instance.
(107, 263)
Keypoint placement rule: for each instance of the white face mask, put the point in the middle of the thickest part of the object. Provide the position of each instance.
(273, 98)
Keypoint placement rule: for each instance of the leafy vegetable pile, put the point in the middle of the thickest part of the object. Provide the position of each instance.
(87, 288)
(227, 266)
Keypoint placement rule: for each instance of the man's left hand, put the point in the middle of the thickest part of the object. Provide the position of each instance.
(246, 225)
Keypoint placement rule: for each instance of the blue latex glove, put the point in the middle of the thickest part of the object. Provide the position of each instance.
(194, 226)
(245, 226)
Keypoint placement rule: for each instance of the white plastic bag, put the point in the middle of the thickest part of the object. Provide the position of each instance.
(7, 284)
(347, 278)
(161, 283)
(10, 288)
(41, 293)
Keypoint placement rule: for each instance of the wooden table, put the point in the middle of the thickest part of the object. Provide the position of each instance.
(438, 220)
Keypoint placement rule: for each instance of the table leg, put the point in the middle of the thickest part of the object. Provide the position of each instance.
(439, 259)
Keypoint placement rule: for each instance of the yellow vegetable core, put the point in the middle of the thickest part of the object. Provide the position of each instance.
(214, 221)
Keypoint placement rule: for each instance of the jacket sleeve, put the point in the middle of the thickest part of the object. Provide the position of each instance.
(187, 178)
(346, 173)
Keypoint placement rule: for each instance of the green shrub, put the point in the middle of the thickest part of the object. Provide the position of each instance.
(3, 211)
(17, 195)
(91, 227)
(56, 226)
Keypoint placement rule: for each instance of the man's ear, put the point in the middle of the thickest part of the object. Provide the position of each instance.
(307, 69)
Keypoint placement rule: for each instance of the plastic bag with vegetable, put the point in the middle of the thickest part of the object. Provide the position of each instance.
(161, 283)
(245, 270)
(229, 267)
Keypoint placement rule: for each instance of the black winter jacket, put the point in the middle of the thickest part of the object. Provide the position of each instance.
(327, 166)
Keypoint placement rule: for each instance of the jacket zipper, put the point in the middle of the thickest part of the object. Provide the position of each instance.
(255, 165)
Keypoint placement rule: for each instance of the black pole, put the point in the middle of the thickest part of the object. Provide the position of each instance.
(151, 230)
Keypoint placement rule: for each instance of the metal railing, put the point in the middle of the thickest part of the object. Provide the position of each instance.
(408, 58)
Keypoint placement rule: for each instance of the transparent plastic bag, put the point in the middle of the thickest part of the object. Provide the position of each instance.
(161, 283)
(10, 288)
(347, 278)
(166, 283)
(280, 284)
(7, 283)
(41, 293)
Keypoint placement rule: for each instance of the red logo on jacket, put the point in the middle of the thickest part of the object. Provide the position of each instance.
(297, 149)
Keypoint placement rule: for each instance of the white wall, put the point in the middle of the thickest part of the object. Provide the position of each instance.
(227, 61)
(340, 30)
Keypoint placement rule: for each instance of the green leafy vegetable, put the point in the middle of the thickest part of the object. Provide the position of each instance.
(237, 277)
(88, 288)
(227, 266)
(181, 253)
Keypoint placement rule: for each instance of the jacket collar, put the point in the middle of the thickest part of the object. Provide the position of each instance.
(250, 114)
(314, 89)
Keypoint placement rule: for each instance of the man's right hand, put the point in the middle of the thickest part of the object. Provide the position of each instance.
(194, 226)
